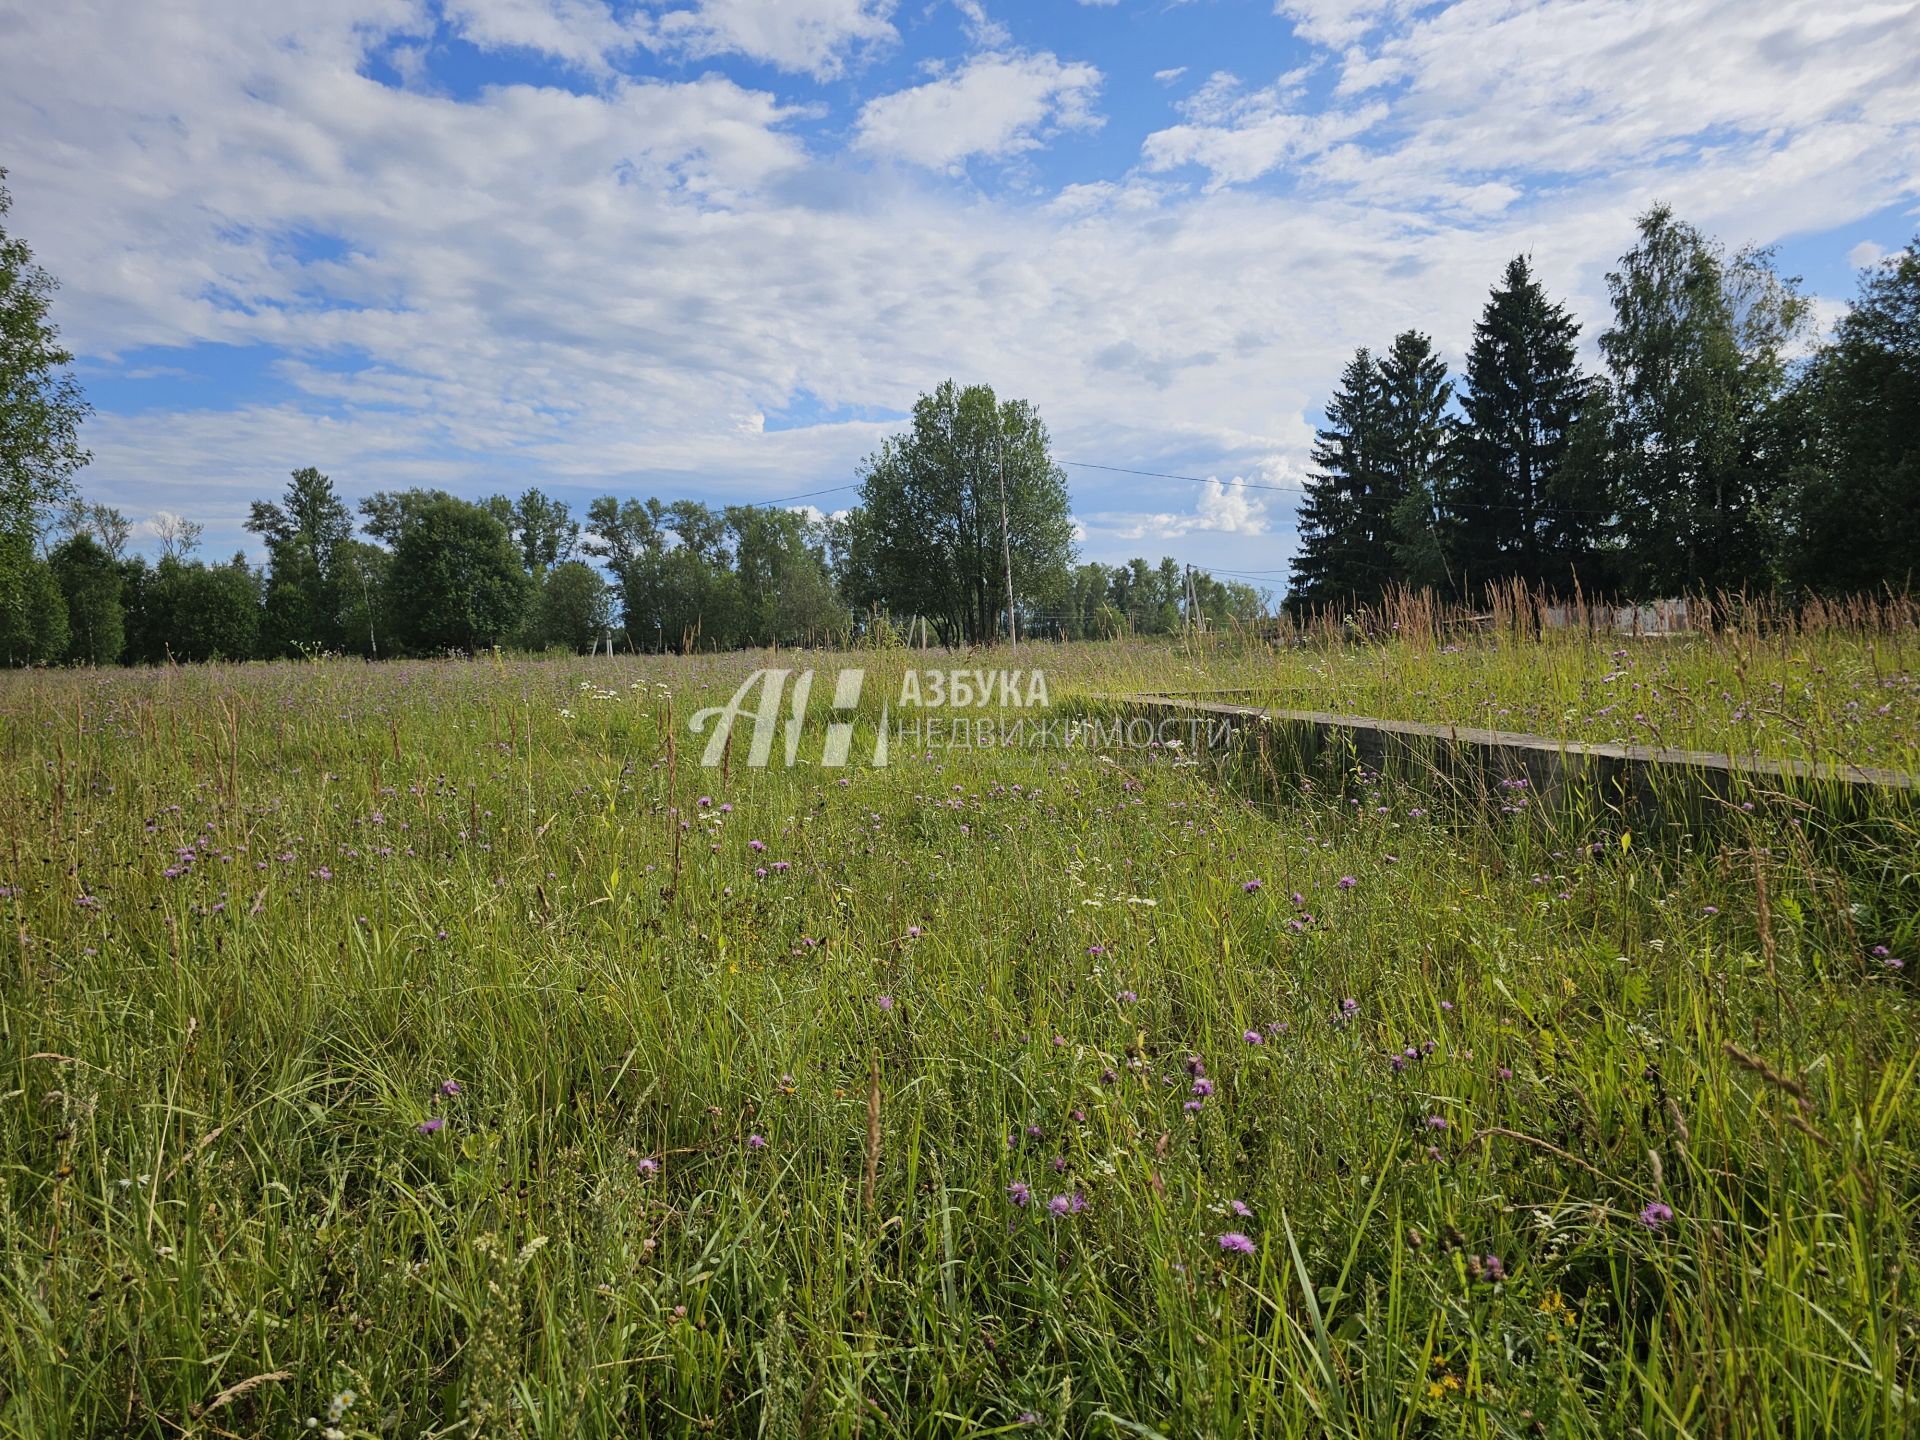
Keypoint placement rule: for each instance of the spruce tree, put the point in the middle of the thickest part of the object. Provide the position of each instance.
(1415, 458)
(1342, 559)
(1522, 395)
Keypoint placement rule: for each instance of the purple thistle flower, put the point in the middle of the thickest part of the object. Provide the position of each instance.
(1203, 1087)
(1346, 882)
(1019, 1193)
(1127, 997)
(1251, 886)
(913, 932)
(1240, 1208)
(1436, 1122)
(1254, 1037)
(1234, 1243)
(1192, 1107)
(1655, 1214)
(431, 1124)
(885, 1002)
(1493, 1269)
(756, 845)
(648, 1165)
(449, 1087)
(756, 1142)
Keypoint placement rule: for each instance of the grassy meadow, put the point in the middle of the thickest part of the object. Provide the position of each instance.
(440, 1049)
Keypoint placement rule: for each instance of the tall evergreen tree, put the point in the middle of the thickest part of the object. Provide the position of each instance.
(1415, 390)
(1342, 556)
(1521, 398)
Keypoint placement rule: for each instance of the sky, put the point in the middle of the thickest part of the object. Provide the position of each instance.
(715, 248)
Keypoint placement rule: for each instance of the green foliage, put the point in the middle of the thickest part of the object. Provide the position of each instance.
(33, 615)
(90, 583)
(1513, 515)
(573, 609)
(1345, 515)
(1697, 359)
(41, 406)
(926, 538)
(454, 582)
(304, 534)
(1856, 507)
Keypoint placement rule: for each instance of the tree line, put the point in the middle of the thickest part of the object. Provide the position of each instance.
(423, 572)
(1708, 454)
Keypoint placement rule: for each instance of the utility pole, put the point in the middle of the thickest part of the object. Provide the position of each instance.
(1006, 543)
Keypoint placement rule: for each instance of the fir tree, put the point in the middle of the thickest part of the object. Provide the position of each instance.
(1415, 456)
(1522, 395)
(1342, 558)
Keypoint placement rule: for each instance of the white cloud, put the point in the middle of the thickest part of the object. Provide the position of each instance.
(600, 291)
(1866, 253)
(583, 33)
(1167, 77)
(1224, 507)
(811, 37)
(994, 106)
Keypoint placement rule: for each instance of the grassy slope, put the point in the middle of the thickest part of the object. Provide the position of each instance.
(212, 1083)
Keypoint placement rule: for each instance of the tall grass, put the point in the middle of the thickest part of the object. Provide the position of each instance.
(742, 1073)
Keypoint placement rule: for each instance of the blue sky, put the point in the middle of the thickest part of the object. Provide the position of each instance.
(716, 247)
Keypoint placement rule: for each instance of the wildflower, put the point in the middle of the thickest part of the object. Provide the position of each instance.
(449, 1087)
(1059, 1164)
(1504, 1073)
(1027, 1417)
(1196, 1066)
(913, 932)
(1127, 997)
(1234, 1243)
(1349, 1006)
(756, 1142)
(1346, 882)
(1203, 1087)
(432, 1123)
(1019, 1193)
(1436, 1122)
(1254, 1037)
(1655, 1214)
(1491, 1267)
(756, 845)
(885, 1002)
(1251, 886)
(704, 802)
(1709, 910)
(1109, 1076)
(1240, 1208)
